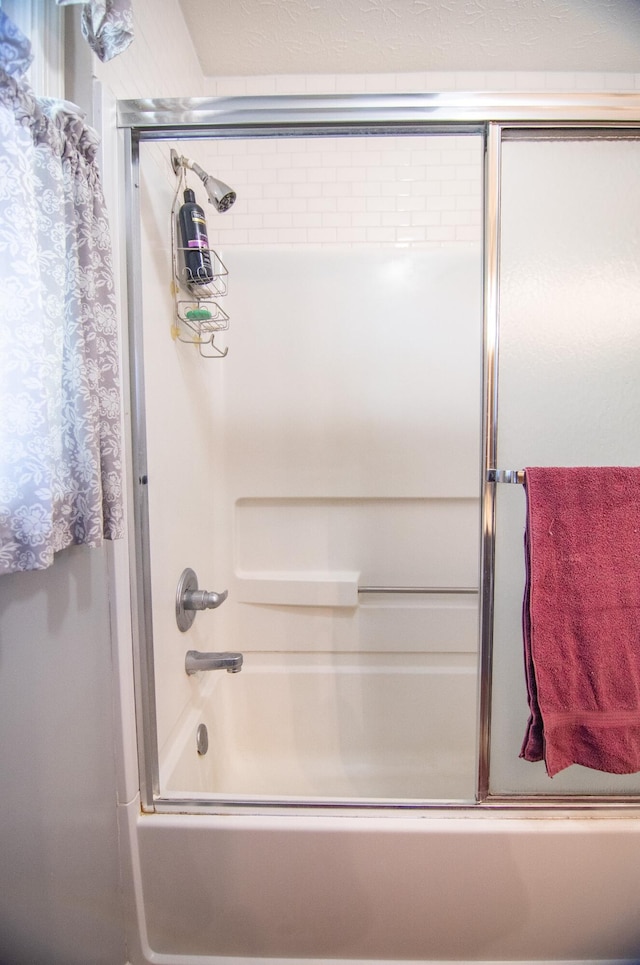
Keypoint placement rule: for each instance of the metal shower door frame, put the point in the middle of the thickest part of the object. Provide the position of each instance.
(495, 116)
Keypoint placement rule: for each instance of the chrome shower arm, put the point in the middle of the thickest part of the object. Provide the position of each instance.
(202, 174)
(221, 196)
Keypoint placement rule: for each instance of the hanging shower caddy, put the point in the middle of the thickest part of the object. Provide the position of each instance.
(198, 316)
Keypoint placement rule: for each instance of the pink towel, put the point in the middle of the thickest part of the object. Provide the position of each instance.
(581, 618)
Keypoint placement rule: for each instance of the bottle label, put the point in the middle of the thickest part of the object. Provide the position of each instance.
(200, 240)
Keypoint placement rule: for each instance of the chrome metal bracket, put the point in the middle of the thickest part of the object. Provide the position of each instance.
(505, 476)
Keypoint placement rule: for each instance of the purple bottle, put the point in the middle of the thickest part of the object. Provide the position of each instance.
(193, 232)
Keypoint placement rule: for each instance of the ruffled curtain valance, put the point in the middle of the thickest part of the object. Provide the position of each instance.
(60, 420)
(107, 25)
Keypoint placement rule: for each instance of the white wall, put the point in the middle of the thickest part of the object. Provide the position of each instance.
(60, 902)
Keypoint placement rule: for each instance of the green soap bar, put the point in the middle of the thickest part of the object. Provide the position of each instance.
(198, 314)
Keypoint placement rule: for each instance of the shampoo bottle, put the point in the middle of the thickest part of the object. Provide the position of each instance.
(193, 232)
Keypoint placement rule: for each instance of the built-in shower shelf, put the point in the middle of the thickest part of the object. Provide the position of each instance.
(337, 588)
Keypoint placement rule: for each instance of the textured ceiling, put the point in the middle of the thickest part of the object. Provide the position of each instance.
(248, 37)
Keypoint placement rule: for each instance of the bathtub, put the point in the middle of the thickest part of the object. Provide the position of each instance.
(389, 884)
(327, 890)
(330, 727)
(276, 884)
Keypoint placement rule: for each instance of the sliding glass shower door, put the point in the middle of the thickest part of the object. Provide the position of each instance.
(326, 471)
(569, 379)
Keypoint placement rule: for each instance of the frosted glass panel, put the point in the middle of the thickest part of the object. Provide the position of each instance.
(569, 381)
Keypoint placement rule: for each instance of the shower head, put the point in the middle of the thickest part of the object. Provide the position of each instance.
(221, 196)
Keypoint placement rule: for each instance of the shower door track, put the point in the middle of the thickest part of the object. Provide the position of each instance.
(497, 116)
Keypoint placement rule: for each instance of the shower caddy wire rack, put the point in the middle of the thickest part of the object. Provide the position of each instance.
(198, 316)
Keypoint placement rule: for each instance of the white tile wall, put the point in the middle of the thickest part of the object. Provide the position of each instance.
(409, 191)
(427, 81)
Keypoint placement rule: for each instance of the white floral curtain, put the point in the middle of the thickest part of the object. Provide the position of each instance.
(60, 455)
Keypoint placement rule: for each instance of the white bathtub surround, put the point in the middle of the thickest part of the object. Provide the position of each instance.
(356, 465)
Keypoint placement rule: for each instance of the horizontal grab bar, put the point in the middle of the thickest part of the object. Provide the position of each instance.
(417, 589)
(330, 588)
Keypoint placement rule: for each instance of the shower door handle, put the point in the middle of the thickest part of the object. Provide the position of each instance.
(189, 599)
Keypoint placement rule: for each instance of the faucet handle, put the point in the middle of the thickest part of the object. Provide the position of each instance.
(203, 599)
(189, 599)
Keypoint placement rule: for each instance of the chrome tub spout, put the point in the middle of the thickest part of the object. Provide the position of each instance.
(194, 661)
